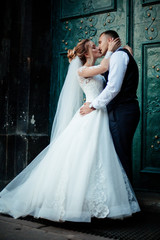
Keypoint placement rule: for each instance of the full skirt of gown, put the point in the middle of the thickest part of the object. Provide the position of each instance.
(76, 177)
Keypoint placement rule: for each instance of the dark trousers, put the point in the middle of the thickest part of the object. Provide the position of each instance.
(123, 121)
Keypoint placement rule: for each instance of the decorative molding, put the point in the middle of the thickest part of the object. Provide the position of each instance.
(83, 28)
(77, 8)
(108, 18)
(78, 30)
(146, 2)
(66, 41)
(150, 108)
(87, 27)
(152, 170)
(87, 7)
(63, 63)
(153, 106)
(155, 145)
(156, 70)
(151, 31)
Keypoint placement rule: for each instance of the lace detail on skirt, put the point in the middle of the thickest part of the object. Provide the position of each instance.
(131, 197)
(56, 203)
(96, 197)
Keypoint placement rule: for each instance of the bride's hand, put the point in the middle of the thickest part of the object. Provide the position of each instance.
(85, 109)
(114, 44)
(129, 49)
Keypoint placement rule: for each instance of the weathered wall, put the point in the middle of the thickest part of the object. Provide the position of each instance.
(25, 61)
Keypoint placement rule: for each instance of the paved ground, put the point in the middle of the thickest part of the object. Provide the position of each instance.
(17, 229)
(141, 226)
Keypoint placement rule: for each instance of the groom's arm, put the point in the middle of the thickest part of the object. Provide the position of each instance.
(118, 66)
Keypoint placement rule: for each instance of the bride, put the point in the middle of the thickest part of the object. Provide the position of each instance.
(78, 175)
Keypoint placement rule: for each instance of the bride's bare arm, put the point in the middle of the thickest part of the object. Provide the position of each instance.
(103, 66)
(94, 70)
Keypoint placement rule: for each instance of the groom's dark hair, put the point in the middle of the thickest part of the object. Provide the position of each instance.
(111, 33)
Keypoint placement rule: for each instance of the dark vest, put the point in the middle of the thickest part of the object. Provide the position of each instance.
(129, 85)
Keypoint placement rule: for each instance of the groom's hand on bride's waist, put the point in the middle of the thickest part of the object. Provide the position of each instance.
(86, 109)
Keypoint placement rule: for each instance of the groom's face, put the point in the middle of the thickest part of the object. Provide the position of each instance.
(103, 43)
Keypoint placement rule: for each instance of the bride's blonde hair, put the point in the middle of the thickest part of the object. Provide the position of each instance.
(79, 50)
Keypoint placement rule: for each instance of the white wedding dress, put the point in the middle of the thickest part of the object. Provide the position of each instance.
(78, 176)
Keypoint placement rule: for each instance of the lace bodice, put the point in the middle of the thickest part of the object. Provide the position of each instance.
(91, 86)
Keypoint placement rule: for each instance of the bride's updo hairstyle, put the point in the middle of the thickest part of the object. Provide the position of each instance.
(79, 50)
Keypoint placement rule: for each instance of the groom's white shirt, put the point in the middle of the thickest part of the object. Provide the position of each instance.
(117, 69)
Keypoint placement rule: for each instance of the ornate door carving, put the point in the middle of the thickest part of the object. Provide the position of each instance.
(137, 23)
(76, 20)
(147, 53)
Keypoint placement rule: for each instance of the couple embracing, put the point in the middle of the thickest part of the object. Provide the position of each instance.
(86, 169)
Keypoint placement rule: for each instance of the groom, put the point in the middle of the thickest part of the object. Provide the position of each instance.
(119, 96)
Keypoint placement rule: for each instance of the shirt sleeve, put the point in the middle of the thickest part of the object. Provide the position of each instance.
(117, 69)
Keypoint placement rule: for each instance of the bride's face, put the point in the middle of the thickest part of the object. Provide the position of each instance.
(94, 51)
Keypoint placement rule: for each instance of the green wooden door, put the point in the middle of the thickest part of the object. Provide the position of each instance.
(146, 45)
(73, 20)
